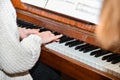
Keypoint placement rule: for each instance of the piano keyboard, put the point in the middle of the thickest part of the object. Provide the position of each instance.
(81, 51)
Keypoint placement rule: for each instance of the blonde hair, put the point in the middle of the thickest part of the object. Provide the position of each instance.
(108, 29)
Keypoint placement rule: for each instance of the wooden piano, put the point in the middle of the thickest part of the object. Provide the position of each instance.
(78, 29)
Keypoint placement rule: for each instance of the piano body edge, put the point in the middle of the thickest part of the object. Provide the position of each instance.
(73, 68)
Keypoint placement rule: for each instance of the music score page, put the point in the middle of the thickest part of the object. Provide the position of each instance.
(88, 10)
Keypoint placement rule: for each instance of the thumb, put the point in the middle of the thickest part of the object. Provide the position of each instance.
(58, 36)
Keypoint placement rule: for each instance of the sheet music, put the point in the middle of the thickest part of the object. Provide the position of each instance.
(87, 10)
(38, 3)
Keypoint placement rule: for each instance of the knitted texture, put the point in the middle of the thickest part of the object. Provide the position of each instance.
(16, 57)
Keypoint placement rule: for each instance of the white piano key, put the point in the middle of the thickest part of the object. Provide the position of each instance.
(114, 68)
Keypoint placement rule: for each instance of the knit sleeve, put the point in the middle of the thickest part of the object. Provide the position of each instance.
(18, 56)
(15, 56)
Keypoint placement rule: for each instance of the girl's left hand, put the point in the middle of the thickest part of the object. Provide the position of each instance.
(23, 32)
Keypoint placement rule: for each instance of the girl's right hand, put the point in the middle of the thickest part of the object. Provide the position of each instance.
(48, 36)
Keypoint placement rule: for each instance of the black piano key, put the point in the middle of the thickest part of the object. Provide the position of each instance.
(107, 56)
(102, 52)
(89, 49)
(86, 47)
(20, 22)
(94, 52)
(27, 25)
(77, 47)
(112, 57)
(116, 61)
(83, 47)
(56, 33)
(44, 29)
(75, 43)
(36, 27)
(65, 39)
(70, 42)
(23, 25)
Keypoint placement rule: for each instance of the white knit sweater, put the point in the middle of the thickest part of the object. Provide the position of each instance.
(16, 57)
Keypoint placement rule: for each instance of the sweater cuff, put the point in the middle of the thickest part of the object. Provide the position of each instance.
(36, 38)
(33, 43)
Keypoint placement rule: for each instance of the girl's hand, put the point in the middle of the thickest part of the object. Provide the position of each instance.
(26, 32)
(47, 37)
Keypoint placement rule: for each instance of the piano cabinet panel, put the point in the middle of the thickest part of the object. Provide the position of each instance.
(18, 4)
(71, 67)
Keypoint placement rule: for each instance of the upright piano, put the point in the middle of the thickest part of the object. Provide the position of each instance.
(77, 55)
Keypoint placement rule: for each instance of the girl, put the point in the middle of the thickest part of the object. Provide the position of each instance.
(20, 48)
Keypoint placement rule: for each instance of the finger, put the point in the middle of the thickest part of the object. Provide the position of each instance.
(57, 40)
(36, 29)
(58, 36)
(33, 31)
(51, 34)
